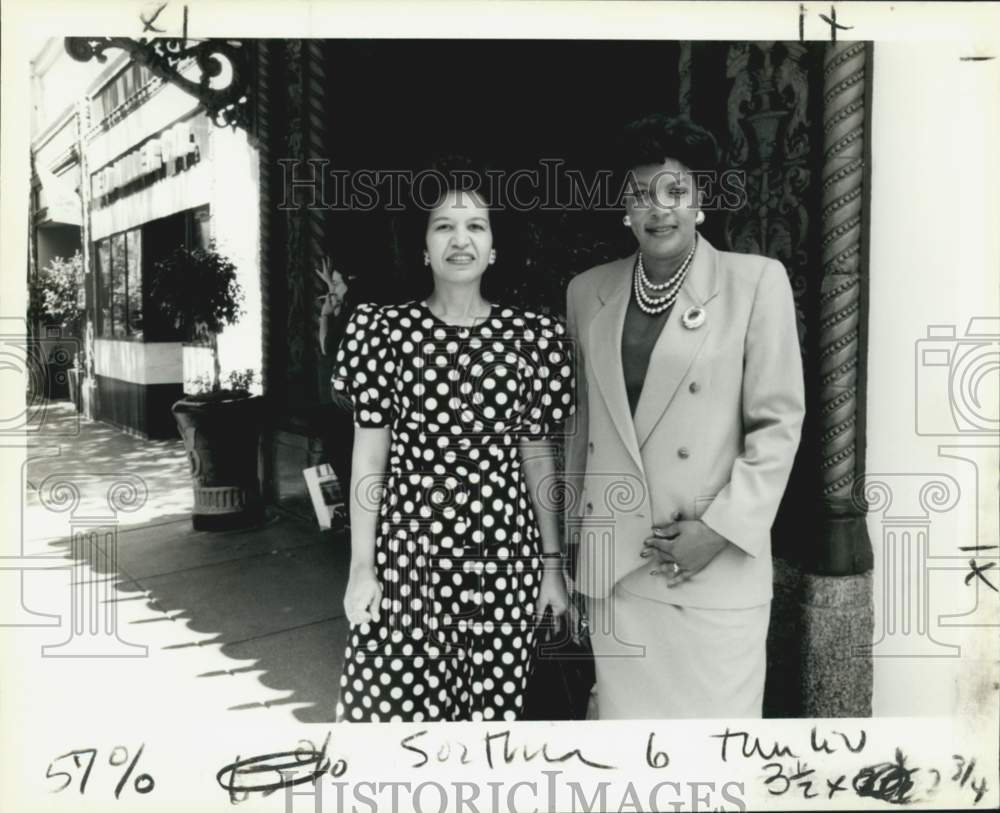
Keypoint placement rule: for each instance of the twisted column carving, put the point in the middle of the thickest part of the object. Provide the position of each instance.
(840, 346)
(262, 124)
(296, 315)
(316, 151)
(684, 79)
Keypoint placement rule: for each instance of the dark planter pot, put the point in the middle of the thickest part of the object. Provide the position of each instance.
(221, 439)
(75, 378)
(57, 379)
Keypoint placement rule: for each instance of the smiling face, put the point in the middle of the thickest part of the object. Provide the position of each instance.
(662, 204)
(459, 238)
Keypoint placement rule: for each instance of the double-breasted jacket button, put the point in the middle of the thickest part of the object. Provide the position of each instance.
(694, 386)
(590, 446)
(590, 508)
(683, 453)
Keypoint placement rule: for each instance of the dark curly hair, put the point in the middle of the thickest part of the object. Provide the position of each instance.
(656, 137)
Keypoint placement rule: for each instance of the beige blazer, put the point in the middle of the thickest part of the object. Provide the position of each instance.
(714, 433)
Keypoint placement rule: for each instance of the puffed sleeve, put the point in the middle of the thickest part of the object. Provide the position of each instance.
(551, 401)
(365, 367)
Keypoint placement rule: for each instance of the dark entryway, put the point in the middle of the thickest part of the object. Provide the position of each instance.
(392, 105)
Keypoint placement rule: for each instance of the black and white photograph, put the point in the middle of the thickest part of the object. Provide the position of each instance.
(500, 406)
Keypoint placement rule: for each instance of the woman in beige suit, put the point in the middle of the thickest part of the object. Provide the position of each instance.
(690, 407)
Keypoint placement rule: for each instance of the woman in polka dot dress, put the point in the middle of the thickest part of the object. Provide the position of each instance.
(453, 399)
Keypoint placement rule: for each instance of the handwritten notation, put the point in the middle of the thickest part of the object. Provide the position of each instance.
(142, 784)
(789, 768)
(495, 747)
(796, 767)
(266, 773)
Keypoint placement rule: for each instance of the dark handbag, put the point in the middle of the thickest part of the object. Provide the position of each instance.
(562, 675)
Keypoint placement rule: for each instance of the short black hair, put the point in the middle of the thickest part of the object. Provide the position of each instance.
(657, 137)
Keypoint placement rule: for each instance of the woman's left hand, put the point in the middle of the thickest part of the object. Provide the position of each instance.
(688, 544)
(552, 596)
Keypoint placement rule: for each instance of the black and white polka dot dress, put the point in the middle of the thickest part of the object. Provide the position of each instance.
(457, 544)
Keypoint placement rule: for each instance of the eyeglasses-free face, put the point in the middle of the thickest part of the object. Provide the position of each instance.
(459, 237)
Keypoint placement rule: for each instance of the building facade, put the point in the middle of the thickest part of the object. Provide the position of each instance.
(149, 174)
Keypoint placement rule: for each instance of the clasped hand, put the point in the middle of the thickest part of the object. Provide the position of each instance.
(688, 544)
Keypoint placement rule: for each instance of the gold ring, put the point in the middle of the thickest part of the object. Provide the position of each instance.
(676, 568)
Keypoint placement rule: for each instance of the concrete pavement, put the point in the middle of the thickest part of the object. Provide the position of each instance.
(241, 623)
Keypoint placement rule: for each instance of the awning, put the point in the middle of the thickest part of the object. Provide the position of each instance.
(60, 202)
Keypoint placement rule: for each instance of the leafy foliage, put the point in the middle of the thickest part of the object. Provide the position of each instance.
(237, 385)
(197, 291)
(54, 294)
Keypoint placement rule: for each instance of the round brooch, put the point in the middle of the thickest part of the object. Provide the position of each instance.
(693, 318)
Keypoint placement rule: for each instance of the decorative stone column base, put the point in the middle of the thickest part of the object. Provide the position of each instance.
(838, 620)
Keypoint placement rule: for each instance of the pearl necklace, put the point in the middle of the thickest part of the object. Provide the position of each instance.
(655, 305)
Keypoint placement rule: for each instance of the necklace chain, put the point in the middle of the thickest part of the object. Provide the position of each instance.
(667, 292)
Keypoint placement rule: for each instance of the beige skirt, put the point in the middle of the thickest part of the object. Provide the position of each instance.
(661, 661)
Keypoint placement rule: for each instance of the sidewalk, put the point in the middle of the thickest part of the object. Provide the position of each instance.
(249, 622)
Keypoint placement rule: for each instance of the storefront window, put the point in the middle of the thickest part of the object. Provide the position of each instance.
(120, 278)
(104, 281)
(125, 263)
(133, 252)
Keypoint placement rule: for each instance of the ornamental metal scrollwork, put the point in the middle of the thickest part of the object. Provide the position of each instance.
(223, 82)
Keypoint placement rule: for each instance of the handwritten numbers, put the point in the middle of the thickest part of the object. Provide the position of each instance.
(76, 762)
(777, 776)
(142, 784)
(963, 775)
(800, 777)
(979, 789)
(962, 771)
(655, 759)
(831, 21)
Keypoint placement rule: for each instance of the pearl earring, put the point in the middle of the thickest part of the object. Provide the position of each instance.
(493, 256)
(427, 258)
(699, 218)
(627, 221)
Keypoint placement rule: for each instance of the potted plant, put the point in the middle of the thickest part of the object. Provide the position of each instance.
(197, 292)
(56, 312)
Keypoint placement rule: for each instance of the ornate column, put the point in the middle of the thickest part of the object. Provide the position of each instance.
(317, 153)
(838, 618)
